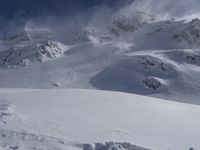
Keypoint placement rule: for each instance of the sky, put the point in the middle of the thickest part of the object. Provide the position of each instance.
(31, 8)
(23, 10)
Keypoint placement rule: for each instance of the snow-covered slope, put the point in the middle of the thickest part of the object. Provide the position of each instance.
(147, 57)
(63, 119)
(125, 52)
(167, 34)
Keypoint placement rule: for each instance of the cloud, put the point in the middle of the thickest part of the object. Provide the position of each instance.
(64, 13)
(32, 8)
(166, 8)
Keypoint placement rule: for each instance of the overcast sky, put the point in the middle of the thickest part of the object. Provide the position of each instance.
(31, 8)
(16, 8)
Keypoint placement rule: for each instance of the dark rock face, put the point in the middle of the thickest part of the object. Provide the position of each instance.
(152, 83)
(48, 48)
(150, 63)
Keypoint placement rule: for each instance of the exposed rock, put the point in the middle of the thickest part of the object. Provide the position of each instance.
(190, 34)
(31, 53)
(128, 23)
(152, 83)
(185, 57)
(151, 63)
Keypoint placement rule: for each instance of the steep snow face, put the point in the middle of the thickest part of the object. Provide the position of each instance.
(31, 53)
(170, 74)
(57, 119)
(138, 74)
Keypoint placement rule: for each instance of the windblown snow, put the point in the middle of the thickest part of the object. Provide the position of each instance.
(131, 53)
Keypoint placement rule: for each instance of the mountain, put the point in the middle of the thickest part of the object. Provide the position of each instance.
(110, 78)
(154, 59)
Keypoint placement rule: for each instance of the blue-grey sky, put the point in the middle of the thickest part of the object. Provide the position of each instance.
(17, 8)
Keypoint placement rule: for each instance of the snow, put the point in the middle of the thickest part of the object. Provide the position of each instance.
(90, 116)
(114, 66)
(26, 54)
(130, 53)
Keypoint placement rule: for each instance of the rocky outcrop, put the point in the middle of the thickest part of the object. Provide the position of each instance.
(33, 53)
(152, 83)
(190, 34)
(129, 23)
